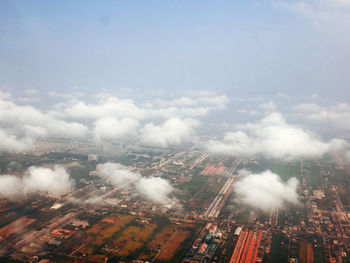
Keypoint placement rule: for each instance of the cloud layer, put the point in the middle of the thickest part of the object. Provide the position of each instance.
(22, 125)
(164, 123)
(336, 116)
(273, 137)
(265, 190)
(158, 123)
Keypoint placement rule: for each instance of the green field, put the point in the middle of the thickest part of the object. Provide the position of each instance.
(279, 250)
(311, 172)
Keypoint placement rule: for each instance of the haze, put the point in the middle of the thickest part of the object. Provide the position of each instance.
(128, 128)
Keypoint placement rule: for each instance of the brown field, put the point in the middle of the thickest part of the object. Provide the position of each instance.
(302, 251)
(162, 237)
(15, 227)
(133, 237)
(118, 234)
(168, 251)
(102, 230)
(306, 253)
(107, 227)
(310, 253)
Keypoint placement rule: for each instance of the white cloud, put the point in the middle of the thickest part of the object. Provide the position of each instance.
(273, 137)
(199, 93)
(106, 107)
(25, 123)
(183, 101)
(265, 190)
(110, 128)
(118, 174)
(52, 181)
(208, 102)
(215, 100)
(172, 132)
(37, 179)
(155, 188)
(126, 108)
(110, 119)
(337, 115)
(11, 143)
(5, 95)
(10, 186)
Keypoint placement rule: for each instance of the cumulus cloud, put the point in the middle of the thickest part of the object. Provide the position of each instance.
(117, 174)
(37, 179)
(110, 128)
(273, 137)
(11, 143)
(52, 181)
(10, 185)
(265, 190)
(172, 132)
(154, 188)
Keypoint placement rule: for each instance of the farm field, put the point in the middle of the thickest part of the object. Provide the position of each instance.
(306, 254)
(162, 237)
(133, 237)
(15, 227)
(101, 232)
(125, 237)
(168, 251)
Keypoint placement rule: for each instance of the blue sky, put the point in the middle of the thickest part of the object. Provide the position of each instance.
(251, 48)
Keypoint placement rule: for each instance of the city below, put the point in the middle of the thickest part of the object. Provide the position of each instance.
(190, 212)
